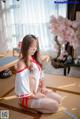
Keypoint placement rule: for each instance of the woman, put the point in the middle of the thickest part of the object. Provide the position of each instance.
(30, 84)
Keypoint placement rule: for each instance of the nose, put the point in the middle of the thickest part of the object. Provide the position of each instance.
(34, 48)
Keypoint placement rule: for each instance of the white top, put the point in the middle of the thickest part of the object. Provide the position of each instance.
(23, 77)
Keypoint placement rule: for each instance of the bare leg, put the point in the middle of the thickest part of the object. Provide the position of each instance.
(54, 96)
(44, 105)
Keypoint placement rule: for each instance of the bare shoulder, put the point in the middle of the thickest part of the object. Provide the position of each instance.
(20, 65)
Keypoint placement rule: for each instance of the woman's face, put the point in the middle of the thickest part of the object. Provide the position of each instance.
(33, 47)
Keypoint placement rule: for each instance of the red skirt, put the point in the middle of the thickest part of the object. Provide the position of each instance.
(25, 100)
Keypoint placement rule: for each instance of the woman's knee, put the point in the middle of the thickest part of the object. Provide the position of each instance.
(60, 99)
(57, 97)
(54, 107)
(50, 105)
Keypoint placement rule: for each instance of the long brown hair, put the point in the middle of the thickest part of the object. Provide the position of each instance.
(26, 43)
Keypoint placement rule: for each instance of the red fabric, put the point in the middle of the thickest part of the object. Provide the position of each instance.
(33, 60)
(25, 101)
(22, 69)
(39, 65)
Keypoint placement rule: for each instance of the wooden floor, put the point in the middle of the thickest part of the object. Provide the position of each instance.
(68, 87)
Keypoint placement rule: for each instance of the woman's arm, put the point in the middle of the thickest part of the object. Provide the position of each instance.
(43, 86)
(43, 58)
(44, 90)
(42, 83)
(20, 65)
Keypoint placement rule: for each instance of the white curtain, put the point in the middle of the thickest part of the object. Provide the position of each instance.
(18, 18)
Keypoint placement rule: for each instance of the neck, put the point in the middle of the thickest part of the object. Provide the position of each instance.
(29, 57)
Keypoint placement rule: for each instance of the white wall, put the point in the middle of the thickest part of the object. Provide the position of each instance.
(3, 43)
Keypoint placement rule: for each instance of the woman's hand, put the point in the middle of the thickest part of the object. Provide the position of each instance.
(45, 91)
(39, 95)
(46, 58)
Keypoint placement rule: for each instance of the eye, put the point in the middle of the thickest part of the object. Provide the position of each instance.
(33, 46)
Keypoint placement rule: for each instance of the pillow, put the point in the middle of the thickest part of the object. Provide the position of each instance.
(5, 74)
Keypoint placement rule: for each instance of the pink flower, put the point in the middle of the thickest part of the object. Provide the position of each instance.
(66, 29)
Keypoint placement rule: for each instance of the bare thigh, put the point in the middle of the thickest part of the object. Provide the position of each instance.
(55, 96)
(45, 104)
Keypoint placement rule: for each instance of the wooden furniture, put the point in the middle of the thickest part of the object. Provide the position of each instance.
(7, 62)
(1, 55)
(66, 67)
(16, 50)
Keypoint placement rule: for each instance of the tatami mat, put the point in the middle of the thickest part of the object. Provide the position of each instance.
(6, 85)
(71, 102)
(68, 84)
(16, 115)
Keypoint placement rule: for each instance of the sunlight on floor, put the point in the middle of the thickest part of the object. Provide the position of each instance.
(9, 97)
(73, 84)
